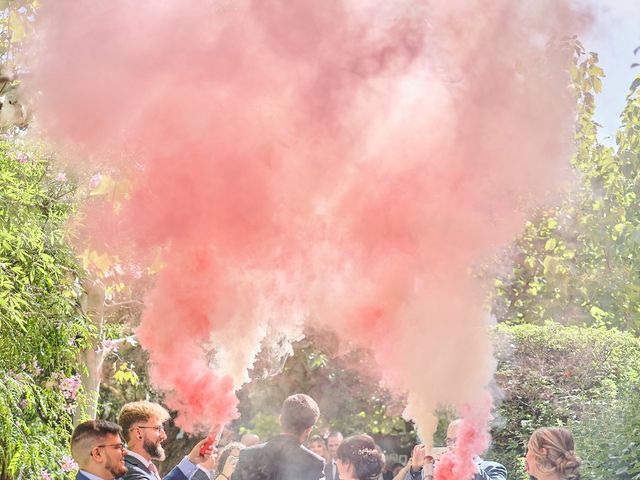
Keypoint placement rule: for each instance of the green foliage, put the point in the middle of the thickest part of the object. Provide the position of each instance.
(609, 438)
(16, 25)
(578, 263)
(350, 399)
(556, 375)
(17, 20)
(37, 270)
(35, 427)
(126, 374)
(264, 425)
(41, 330)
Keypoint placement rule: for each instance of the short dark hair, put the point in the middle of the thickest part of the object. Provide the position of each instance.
(298, 413)
(92, 430)
(363, 453)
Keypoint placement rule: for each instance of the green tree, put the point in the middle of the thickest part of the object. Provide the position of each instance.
(17, 18)
(347, 390)
(578, 263)
(41, 327)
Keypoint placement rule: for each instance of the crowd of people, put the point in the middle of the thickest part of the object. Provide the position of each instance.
(99, 448)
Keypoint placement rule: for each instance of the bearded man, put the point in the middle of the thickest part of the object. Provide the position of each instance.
(99, 451)
(143, 428)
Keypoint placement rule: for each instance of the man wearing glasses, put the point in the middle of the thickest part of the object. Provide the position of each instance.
(143, 428)
(98, 449)
(422, 464)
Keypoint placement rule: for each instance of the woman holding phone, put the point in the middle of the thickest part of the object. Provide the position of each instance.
(227, 460)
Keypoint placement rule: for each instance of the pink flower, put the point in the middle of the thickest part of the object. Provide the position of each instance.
(70, 386)
(95, 180)
(136, 271)
(37, 369)
(109, 345)
(61, 177)
(45, 475)
(22, 157)
(68, 464)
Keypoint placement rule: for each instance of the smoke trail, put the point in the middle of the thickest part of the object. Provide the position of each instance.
(472, 439)
(346, 161)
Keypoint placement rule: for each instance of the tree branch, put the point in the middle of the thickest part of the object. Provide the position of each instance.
(125, 303)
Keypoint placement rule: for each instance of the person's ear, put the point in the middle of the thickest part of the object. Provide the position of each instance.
(96, 454)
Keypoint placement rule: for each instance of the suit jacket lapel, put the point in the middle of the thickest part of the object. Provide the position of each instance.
(135, 462)
(328, 471)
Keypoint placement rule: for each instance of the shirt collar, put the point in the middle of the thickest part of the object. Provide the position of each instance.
(90, 476)
(144, 461)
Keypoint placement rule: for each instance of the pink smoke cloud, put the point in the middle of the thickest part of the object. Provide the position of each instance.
(472, 440)
(343, 161)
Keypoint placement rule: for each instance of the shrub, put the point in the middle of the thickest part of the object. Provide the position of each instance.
(555, 375)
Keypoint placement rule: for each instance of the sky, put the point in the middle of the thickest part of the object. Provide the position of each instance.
(614, 36)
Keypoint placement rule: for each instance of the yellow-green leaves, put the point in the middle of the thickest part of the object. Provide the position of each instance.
(126, 374)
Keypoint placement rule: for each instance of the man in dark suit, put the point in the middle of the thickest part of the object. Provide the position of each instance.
(143, 427)
(284, 457)
(333, 442)
(99, 451)
(486, 470)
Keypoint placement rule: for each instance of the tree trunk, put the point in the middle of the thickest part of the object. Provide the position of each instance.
(92, 305)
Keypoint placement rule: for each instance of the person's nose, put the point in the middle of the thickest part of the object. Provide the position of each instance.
(163, 435)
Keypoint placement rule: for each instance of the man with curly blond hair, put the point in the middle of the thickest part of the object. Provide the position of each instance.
(143, 428)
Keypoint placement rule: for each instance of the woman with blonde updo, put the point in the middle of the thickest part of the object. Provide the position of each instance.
(551, 456)
(359, 459)
(316, 445)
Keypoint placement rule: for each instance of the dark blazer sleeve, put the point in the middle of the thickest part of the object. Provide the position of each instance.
(312, 466)
(319, 471)
(175, 474)
(246, 468)
(200, 475)
(491, 471)
(136, 473)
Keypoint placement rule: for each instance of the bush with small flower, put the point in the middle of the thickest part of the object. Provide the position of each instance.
(42, 329)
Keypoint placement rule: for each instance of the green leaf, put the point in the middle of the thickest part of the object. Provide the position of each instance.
(597, 313)
(17, 26)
